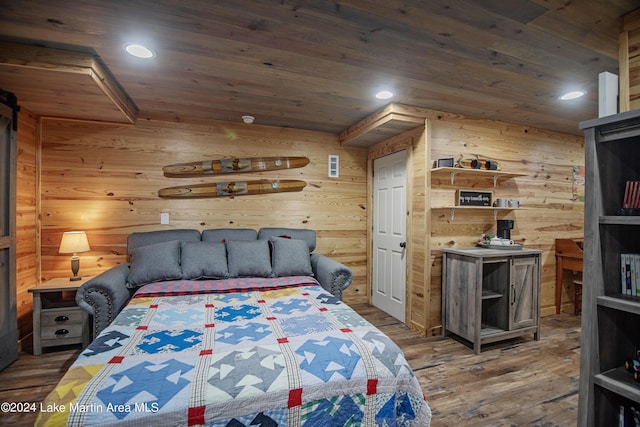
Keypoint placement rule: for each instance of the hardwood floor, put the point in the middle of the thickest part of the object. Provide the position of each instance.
(30, 379)
(521, 382)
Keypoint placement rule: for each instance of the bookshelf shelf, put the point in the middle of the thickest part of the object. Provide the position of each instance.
(620, 382)
(621, 302)
(619, 220)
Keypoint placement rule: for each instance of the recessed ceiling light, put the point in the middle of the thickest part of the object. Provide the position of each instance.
(573, 95)
(139, 51)
(384, 94)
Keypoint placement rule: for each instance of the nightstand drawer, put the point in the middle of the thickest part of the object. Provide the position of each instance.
(59, 333)
(58, 323)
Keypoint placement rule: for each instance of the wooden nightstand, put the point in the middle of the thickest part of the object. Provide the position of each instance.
(57, 320)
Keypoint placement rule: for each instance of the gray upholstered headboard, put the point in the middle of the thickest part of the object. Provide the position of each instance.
(145, 238)
(308, 236)
(216, 235)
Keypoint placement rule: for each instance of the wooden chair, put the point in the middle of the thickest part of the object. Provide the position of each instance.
(568, 257)
(577, 297)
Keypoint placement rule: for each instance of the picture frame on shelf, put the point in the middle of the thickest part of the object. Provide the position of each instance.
(474, 198)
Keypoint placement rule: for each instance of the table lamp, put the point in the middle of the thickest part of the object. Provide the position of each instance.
(73, 242)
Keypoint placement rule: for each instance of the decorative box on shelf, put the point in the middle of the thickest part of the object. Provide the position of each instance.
(473, 198)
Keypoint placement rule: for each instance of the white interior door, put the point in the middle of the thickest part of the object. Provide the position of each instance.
(389, 234)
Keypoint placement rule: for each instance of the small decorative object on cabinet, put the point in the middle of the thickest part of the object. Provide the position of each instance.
(74, 242)
(610, 320)
(446, 162)
(57, 320)
(490, 295)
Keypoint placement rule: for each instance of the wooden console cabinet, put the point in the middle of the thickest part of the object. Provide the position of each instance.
(490, 295)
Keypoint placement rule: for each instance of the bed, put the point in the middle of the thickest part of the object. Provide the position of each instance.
(265, 351)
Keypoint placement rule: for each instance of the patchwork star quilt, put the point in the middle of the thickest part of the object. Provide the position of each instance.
(238, 352)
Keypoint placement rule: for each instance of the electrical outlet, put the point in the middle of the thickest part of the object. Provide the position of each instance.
(164, 218)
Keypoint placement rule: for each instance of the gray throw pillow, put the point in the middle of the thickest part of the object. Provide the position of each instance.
(248, 258)
(154, 263)
(204, 260)
(290, 257)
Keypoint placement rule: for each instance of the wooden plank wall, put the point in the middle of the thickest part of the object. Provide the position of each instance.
(27, 264)
(629, 58)
(552, 201)
(104, 178)
(551, 195)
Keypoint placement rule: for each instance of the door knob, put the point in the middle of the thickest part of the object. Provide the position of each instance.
(403, 244)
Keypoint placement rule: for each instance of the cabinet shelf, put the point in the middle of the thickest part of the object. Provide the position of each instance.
(487, 294)
(489, 330)
(621, 302)
(620, 220)
(473, 173)
(620, 382)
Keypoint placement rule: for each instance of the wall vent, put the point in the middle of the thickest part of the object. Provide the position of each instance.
(334, 166)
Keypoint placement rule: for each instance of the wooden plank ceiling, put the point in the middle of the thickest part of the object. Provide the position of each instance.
(317, 64)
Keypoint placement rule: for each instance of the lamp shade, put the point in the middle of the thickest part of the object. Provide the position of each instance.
(73, 242)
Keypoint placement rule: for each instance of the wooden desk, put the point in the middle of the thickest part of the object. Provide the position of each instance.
(568, 257)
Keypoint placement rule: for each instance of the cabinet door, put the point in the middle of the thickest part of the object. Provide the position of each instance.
(524, 284)
(462, 302)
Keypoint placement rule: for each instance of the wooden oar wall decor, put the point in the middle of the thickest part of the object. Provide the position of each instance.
(232, 188)
(233, 165)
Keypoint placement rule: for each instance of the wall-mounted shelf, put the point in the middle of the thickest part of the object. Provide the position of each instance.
(495, 209)
(473, 173)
